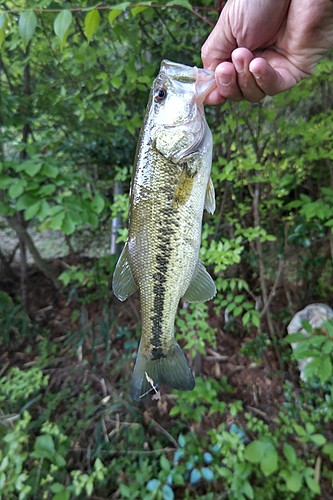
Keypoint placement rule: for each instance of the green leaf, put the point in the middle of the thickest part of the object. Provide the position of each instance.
(255, 451)
(312, 367)
(16, 189)
(165, 464)
(61, 25)
(62, 495)
(46, 190)
(68, 226)
(91, 23)
(328, 449)
(57, 487)
(153, 485)
(31, 168)
(299, 430)
(295, 337)
(312, 484)
(5, 181)
(318, 439)
(167, 493)
(325, 369)
(116, 10)
(183, 3)
(269, 462)
(136, 10)
(289, 453)
(44, 211)
(246, 318)
(59, 460)
(116, 82)
(65, 277)
(114, 13)
(27, 25)
(89, 488)
(25, 201)
(57, 220)
(98, 203)
(294, 481)
(44, 447)
(181, 441)
(93, 219)
(3, 26)
(50, 171)
(248, 490)
(32, 210)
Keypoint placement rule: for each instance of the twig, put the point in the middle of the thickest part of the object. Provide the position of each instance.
(271, 294)
(258, 412)
(4, 368)
(165, 432)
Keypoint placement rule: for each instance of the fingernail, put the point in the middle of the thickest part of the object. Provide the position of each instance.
(256, 75)
(239, 66)
(224, 80)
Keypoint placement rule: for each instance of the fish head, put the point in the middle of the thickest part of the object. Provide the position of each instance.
(176, 113)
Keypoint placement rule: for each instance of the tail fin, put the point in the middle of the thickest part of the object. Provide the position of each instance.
(172, 370)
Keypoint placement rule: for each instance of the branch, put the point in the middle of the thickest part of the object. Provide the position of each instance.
(272, 292)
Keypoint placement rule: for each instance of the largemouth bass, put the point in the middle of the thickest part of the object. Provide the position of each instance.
(170, 188)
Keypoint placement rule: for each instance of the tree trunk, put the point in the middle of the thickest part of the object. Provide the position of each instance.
(24, 236)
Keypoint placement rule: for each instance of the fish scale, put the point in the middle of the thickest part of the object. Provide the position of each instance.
(170, 187)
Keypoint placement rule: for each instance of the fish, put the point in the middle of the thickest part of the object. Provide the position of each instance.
(170, 187)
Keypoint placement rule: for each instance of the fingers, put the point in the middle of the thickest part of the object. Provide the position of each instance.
(226, 85)
(251, 78)
(275, 76)
(234, 80)
(247, 83)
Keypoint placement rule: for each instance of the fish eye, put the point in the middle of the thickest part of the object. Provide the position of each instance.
(160, 95)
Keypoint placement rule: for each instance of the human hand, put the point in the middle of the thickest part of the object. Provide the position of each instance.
(263, 47)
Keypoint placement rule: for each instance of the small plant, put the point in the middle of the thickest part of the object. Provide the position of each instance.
(316, 346)
(193, 325)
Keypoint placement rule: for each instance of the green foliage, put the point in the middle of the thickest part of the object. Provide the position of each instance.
(20, 385)
(13, 319)
(43, 189)
(317, 344)
(193, 326)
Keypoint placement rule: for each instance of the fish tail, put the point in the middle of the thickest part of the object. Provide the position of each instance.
(171, 369)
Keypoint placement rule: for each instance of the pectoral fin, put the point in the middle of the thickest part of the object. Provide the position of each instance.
(123, 284)
(210, 197)
(202, 286)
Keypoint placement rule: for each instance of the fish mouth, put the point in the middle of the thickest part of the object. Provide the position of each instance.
(205, 83)
(204, 79)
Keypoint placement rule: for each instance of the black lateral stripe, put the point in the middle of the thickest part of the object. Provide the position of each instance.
(166, 229)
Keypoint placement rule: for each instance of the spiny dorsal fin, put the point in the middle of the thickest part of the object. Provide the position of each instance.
(123, 284)
(210, 197)
(202, 286)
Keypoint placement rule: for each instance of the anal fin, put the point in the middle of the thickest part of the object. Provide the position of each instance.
(123, 284)
(202, 287)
